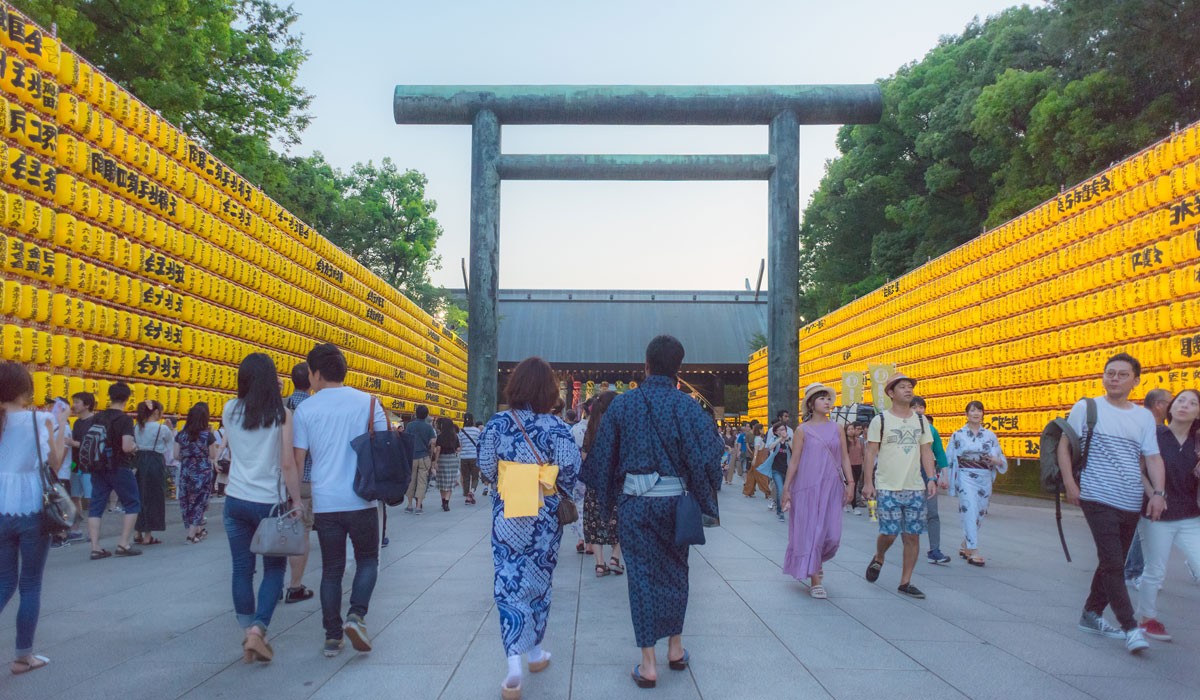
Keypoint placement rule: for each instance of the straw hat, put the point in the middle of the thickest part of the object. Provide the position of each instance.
(812, 390)
(896, 378)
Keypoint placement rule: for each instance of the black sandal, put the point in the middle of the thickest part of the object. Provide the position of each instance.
(614, 565)
(123, 551)
(100, 554)
(642, 682)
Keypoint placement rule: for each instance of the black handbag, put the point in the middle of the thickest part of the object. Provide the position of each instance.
(689, 521)
(58, 510)
(384, 463)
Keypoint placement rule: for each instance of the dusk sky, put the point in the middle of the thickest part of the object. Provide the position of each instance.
(600, 235)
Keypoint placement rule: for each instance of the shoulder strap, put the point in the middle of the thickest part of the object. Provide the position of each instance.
(536, 455)
(653, 424)
(1091, 428)
(371, 418)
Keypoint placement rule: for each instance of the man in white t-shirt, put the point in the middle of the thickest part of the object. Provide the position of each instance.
(325, 423)
(900, 439)
(1113, 493)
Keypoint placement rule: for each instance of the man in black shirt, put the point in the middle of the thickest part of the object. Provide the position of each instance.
(118, 476)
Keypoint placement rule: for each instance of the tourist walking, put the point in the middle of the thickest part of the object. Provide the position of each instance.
(224, 459)
(468, 458)
(296, 590)
(654, 443)
(818, 483)
(112, 471)
(1157, 401)
(518, 451)
(153, 441)
(27, 444)
(776, 464)
(755, 480)
(899, 445)
(445, 453)
(424, 437)
(326, 423)
(933, 520)
(855, 446)
(975, 458)
(1111, 491)
(600, 527)
(258, 430)
(579, 495)
(196, 449)
(1179, 524)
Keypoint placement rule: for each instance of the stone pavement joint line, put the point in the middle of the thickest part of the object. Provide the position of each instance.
(161, 626)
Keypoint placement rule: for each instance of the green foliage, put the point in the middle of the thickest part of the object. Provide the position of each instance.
(736, 399)
(757, 342)
(988, 125)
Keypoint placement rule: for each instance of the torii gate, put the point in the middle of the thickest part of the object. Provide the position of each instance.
(783, 108)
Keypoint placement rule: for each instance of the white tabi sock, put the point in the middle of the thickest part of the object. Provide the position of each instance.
(514, 672)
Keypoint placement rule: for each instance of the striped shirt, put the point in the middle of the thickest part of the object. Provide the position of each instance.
(468, 440)
(1113, 474)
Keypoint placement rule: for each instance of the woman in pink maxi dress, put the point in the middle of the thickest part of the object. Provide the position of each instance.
(818, 483)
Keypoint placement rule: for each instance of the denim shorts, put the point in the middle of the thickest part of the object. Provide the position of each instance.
(121, 480)
(900, 512)
(81, 485)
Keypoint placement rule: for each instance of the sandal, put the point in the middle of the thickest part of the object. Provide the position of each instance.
(138, 540)
(35, 662)
(642, 682)
(201, 534)
(579, 547)
(255, 648)
(151, 540)
(681, 663)
(123, 551)
(976, 560)
(602, 571)
(614, 565)
(818, 591)
(100, 554)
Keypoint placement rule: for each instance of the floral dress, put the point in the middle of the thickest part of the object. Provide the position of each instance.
(195, 475)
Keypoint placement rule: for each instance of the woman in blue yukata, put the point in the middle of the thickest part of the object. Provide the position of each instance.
(655, 442)
(525, 549)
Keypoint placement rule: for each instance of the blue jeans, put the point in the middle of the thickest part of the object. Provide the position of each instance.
(362, 527)
(23, 548)
(777, 481)
(241, 520)
(933, 523)
(1133, 561)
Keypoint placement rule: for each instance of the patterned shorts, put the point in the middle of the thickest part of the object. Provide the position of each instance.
(900, 512)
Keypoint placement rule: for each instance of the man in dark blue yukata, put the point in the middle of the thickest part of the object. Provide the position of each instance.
(655, 442)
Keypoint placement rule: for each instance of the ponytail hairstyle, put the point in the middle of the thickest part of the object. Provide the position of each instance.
(16, 385)
(145, 409)
(600, 404)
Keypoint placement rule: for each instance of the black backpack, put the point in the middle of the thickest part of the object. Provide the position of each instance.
(95, 450)
(1052, 481)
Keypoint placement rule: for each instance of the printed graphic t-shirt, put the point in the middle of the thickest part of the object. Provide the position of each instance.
(899, 451)
(1113, 473)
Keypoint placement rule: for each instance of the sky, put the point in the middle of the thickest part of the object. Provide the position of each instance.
(600, 235)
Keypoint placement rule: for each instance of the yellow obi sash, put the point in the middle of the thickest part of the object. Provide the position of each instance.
(524, 487)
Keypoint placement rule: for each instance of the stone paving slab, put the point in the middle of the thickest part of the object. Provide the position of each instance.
(161, 625)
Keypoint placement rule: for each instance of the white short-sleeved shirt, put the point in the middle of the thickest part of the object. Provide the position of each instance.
(324, 425)
(20, 481)
(1113, 473)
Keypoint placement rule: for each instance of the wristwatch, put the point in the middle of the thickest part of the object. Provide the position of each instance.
(1159, 493)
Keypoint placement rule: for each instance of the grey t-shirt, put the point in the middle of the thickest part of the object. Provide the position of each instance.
(422, 433)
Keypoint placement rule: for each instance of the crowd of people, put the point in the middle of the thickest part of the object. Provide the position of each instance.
(636, 466)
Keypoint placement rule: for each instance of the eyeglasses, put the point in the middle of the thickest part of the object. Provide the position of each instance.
(1117, 374)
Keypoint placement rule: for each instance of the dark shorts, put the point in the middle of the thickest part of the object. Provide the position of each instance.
(121, 480)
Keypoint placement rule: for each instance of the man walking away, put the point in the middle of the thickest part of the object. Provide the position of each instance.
(468, 456)
(326, 422)
(424, 437)
(899, 438)
(653, 443)
(296, 590)
(110, 465)
(1111, 490)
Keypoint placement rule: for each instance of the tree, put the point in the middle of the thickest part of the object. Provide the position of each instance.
(224, 71)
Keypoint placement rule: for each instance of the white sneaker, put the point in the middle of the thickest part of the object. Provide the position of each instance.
(1092, 623)
(1135, 641)
(858, 511)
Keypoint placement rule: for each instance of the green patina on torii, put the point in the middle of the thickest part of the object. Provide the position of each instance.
(783, 108)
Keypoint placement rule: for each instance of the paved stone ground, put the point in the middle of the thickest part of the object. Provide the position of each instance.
(161, 625)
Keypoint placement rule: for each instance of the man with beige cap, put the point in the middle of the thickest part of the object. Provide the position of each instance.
(904, 475)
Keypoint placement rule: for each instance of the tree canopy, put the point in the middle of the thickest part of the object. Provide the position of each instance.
(989, 124)
(225, 72)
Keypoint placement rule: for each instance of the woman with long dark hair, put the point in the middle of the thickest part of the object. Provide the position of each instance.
(525, 528)
(446, 457)
(196, 450)
(600, 528)
(153, 441)
(27, 441)
(258, 430)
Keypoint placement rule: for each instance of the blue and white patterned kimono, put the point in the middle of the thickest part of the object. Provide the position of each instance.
(628, 443)
(972, 486)
(525, 550)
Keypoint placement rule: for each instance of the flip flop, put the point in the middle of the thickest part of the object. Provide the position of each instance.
(682, 663)
(123, 551)
(38, 662)
(642, 682)
(100, 554)
(152, 540)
